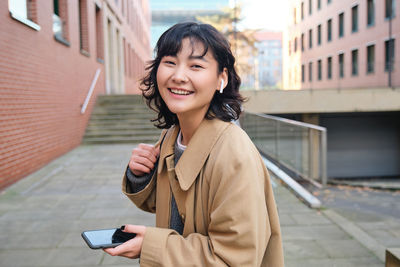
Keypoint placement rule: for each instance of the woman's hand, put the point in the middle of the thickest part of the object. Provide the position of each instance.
(132, 248)
(143, 158)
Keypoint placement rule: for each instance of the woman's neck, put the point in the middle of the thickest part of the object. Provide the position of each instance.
(188, 127)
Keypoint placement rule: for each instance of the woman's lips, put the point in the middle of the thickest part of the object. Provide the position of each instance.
(180, 91)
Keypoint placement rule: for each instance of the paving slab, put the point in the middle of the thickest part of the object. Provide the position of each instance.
(43, 215)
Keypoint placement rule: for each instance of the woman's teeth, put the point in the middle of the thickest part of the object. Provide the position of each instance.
(180, 92)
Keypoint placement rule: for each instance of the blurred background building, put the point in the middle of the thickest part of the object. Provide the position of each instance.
(167, 13)
(53, 54)
(336, 44)
(267, 62)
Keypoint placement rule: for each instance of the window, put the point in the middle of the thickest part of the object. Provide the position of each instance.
(290, 47)
(354, 62)
(354, 19)
(329, 68)
(99, 34)
(310, 38)
(294, 16)
(319, 33)
(319, 4)
(329, 1)
(370, 58)
(310, 72)
(319, 70)
(390, 9)
(302, 74)
(302, 42)
(309, 7)
(83, 26)
(370, 12)
(341, 65)
(341, 25)
(60, 21)
(329, 30)
(295, 44)
(24, 11)
(302, 10)
(389, 55)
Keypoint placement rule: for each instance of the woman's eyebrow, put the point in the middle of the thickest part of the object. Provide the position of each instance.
(198, 57)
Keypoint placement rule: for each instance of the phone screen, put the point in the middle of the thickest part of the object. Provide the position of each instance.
(106, 238)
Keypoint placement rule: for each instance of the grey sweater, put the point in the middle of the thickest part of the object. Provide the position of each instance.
(138, 183)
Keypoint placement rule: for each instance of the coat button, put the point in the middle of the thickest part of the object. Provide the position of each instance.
(183, 217)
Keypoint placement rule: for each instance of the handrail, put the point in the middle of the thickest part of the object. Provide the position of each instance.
(298, 147)
(89, 95)
(293, 122)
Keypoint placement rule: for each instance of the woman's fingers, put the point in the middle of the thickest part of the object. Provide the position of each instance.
(132, 248)
(148, 151)
(137, 229)
(143, 159)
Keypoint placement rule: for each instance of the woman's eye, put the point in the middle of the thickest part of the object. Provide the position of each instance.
(197, 66)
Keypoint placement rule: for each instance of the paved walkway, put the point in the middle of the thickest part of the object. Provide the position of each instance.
(42, 216)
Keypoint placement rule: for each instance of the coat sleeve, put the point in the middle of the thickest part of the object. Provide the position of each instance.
(239, 228)
(144, 199)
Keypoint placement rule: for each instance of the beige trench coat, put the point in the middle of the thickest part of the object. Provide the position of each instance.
(224, 195)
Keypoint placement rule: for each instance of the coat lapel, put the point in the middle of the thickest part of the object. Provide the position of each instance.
(197, 151)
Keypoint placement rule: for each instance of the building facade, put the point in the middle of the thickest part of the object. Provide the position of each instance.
(342, 44)
(268, 65)
(52, 54)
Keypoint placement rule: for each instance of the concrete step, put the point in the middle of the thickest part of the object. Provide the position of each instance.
(126, 99)
(120, 140)
(116, 133)
(122, 127)
(121, 119)
(116, 111)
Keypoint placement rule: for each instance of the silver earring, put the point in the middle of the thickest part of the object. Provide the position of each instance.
(221, 89)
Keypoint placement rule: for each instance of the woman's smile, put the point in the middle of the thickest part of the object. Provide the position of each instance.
(180, 91)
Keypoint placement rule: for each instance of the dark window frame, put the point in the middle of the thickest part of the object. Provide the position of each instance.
(341, 65)
(329, 30)
(329, 68)
(319, 67)
(354, 62)
(370, 13)
(341, 25)
(370, 59)
(354, 19)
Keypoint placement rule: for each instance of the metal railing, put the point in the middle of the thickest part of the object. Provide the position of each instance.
(89, 95)
(299, 147)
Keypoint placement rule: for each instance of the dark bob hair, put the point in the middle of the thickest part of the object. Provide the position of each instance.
(225, 106)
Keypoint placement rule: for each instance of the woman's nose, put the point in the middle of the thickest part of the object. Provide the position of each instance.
(179, 76)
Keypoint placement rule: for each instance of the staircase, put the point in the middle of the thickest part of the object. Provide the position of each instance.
(121, 119)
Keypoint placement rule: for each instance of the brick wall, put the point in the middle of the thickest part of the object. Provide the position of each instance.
(43, 84)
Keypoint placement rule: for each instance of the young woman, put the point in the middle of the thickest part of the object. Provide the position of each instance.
(204, 179)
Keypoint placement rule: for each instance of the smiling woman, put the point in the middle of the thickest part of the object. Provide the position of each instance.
(204, 179)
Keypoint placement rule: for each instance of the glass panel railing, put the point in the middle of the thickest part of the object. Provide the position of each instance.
(299, 147)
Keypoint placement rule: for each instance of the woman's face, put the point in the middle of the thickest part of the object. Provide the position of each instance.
(187, 81)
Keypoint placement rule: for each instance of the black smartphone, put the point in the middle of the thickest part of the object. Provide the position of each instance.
(106, 238)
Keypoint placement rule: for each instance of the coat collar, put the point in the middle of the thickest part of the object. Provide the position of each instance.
(196, 153)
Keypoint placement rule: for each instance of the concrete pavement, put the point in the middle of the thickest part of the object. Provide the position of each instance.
(42, 216)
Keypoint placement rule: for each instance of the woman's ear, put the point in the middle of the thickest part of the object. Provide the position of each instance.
(223, 80)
